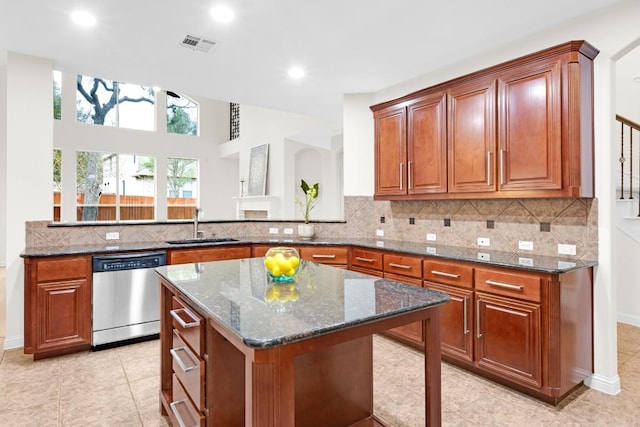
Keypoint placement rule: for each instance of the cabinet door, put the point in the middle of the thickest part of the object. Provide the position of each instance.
(508, 338)
(427, 145)
(472, 137)
(456, 322)
(530, 128)
(63, 313)
(390, 151)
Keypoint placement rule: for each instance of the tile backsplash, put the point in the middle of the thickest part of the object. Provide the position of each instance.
(452, 222)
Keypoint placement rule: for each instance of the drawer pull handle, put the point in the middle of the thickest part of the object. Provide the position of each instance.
(478, 333)
(401, 177)
(323, 256)
(442, 273)
(174, 409)
(365, 259)
(504, 285)
(178, 359)
(175, 315)
(465, 327)
(489, 168)
(406, 267)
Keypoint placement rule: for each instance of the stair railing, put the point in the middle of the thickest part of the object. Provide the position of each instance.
(627, 127)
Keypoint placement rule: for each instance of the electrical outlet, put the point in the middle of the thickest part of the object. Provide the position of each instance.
(566, 264)
(288, 231)
(528, 262)
(525, 245)
(273, 230)
(431, 250)
(484, 256)
(431, 237)
(484, 241)
(564, 249)
(380, 243)
(380, 233)
(113, 235)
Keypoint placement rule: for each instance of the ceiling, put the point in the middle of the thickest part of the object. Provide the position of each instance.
(346, 46)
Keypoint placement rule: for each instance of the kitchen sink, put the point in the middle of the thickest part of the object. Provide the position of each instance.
(202, 241)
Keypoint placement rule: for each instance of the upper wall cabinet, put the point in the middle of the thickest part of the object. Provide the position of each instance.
(521, 129)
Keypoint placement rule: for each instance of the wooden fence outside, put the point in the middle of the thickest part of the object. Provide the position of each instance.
(132, 208)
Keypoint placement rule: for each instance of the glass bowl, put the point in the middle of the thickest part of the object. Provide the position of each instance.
(282, 263)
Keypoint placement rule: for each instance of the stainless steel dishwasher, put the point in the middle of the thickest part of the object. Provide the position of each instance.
(125, 298)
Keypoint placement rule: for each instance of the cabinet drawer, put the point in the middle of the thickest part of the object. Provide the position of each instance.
(403, 265)
(62, 269)
(183, 413)
(517, 285)
(188, 324)
(187, 256)
(324, 254)
(189, 368)
(371, 260)
(448, 273)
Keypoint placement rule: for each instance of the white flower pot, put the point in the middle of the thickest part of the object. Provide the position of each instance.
(305, 231)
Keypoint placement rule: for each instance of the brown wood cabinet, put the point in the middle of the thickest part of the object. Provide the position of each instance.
(333, 255)
(189, 255)
(405, 269)
(519, 129)
(366, 261)
(57, 314)
(455, 279)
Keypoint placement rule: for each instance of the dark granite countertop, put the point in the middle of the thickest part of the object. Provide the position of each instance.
(536, 263)
(322, 299)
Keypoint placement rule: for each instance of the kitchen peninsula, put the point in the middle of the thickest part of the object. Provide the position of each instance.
(232, 353)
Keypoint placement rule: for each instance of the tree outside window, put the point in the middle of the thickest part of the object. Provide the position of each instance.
(182, 115)
(182, 188)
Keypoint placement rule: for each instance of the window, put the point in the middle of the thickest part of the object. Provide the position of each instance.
(57, 183)
(110, 103)
(57, 95)
(182, 188)
(115, 187)
(182, 115)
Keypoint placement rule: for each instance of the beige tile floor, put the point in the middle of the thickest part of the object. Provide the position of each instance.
(119, 387)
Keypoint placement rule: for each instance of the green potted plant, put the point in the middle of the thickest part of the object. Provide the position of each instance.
(311, 192)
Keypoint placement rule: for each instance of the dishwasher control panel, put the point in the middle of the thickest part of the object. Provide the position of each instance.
(132, 261)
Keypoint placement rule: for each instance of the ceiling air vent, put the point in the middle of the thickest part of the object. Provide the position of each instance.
(197, 43)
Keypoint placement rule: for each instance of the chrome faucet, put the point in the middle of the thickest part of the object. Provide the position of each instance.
(197, 234)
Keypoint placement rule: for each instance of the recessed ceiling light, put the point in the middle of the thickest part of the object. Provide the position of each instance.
(222, 13)
(83, 18)
(296, 72)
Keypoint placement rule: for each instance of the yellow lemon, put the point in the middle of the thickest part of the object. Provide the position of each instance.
(294, 261)
(290, 272)
(284, 265)
(269, 262)
(276, 271)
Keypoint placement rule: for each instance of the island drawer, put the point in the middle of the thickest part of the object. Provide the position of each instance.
(518, 285)
(403, 265)
(189, 368)
(188, 324)
(448, 273)
(324, 254)
(183, 413)
(366, 259)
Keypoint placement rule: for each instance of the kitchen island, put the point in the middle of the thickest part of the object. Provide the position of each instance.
(237, 349)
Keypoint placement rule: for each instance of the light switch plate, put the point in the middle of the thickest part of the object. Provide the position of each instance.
(431, 237)
(380, 233)
(484, 241)
(528, 262)
(525, 245)
(288, 231)
(564, 249)
(273, 230)
(113, 235)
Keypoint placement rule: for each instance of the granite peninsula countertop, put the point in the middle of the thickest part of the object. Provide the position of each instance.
(536, 263)
(239, 294)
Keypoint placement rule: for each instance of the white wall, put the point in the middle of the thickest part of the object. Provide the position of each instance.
(3, 155)
(278, 129)
(610, 30)
(29, 171)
